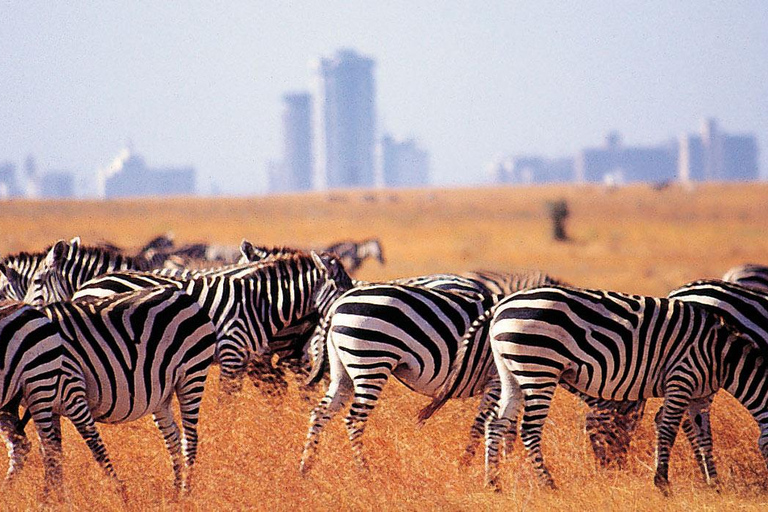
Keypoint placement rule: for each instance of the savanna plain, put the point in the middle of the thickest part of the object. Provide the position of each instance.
(635, 239)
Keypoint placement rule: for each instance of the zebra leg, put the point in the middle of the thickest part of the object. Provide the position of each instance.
(190, 396)
(485, 413)
(48, 427)
(266, 376)
(79, 414)
(16, 440)
(676, 401)
(501, 422)
(233, 358)
(172, 436)
(367, 388)
(695, 424)
(339, 391)
(537, 399)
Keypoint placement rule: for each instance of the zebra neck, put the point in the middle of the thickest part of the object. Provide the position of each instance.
(746, 378)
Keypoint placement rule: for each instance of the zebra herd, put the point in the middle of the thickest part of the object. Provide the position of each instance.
(92, 335)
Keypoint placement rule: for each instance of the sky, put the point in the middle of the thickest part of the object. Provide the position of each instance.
(201, 83)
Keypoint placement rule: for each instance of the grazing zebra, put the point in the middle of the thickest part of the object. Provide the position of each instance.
(352, 254)
(616, 347)
(751, 275)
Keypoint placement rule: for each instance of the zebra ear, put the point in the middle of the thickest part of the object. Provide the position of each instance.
(321, 262)
(246, 249)
(58, 252)
(75, 242)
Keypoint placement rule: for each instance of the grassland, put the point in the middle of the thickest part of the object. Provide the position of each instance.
(634, 239)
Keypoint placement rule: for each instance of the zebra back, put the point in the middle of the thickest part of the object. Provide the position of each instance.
(749, 275)
(507, 283)
(132, 349)
(744, 308)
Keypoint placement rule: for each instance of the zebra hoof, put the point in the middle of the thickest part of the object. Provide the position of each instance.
(493, 485)
(663, 485)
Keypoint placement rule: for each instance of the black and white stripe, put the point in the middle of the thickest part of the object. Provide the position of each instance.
(68, 265)
(749, 275)
(616, 347)
(127, 356)
(249, 304)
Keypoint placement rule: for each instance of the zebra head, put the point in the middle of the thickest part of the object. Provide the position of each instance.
(11, 285)
(336, 281)
(47, 284)
(250, 253)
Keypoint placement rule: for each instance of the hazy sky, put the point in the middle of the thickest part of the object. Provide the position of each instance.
(200, 83)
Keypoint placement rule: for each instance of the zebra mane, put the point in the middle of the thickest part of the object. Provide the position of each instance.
(446, 390)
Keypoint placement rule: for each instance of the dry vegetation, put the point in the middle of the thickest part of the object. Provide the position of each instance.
(634, 239)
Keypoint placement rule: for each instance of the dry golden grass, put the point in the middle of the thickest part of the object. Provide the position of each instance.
(634, 239)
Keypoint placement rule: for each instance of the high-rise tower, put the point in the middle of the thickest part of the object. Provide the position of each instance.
(345, 121)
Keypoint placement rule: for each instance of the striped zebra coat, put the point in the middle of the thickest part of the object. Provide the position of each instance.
(119, 359)
(30, 362)
(249, 304)
(749, 275)
(615, 347)
(68, 265)
(409, 328)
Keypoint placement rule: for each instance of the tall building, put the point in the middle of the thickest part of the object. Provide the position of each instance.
(345, 121)
(403, 163)
(295, 171)
(56, 185)
(714, 155)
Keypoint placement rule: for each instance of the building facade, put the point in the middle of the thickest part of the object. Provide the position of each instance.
(129, 176)
(403, 163)
(716, 156)
(294, 173)
(345, 121)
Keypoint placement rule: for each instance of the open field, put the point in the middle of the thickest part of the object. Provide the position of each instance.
(634, 239)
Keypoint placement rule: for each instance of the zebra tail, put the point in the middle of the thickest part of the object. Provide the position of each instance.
(448, 388)
(319, 352)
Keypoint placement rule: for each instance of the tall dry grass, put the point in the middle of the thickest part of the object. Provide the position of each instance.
(635, 240)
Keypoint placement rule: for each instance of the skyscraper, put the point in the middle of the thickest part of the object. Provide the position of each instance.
(345, 121)
(295, 171)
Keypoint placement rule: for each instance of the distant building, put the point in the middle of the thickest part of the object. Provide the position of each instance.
(533, 169)
(616, 163)
(8, 185)
(345, 121)
(129, 176)
(295, 171)
(56, 185)
(403, 164)
(713, 155)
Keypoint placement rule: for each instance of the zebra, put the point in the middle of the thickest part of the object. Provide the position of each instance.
(352, 254)
(111, 361)
(410, 331)
(746, 310)
(617, 347)
(126, 356)
(751, 275)
(18, 271)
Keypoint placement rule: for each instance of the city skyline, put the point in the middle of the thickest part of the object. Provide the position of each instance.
(201, 87)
